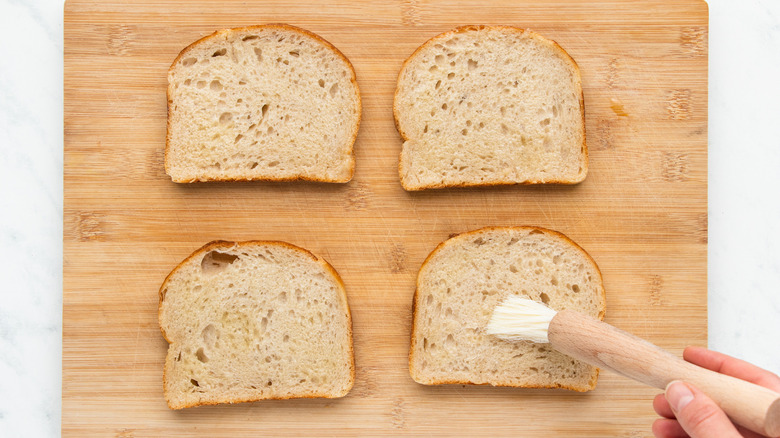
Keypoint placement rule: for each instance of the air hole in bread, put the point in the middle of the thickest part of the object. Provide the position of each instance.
(464, 131)
(545, 298)
(557, 259)
(444, 106)
(282, 297)
(225, 117)
(201, 84)
(188, 61)
(263, 110)
(554, 281)
(449, 340)
(333, 90)
(201, 355)
(504, 129)
(439, 59)
(250, 37)
(263, 325)
(273, 163)
(321, 83)
(194, 382)
(429, 300)
(215, 262)
(451, 75)
(472, 64)
(295, 53)
(209, 335)
(220, 52)
(575, 288)
(286, 338)
(433, 69)
(513, 268)
(216, 85)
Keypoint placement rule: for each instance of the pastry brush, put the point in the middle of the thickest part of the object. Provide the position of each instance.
(602, 345)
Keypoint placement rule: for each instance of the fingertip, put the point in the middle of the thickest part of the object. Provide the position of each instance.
(695, 354)
(698, 414)
(661, 406)
(658, 428)
(697, 348)
(679, 395)
(668, 428)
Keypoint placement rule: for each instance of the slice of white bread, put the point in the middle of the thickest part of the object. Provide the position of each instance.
(271, 102)
(466, 277)
(254, 320)
(490, 105)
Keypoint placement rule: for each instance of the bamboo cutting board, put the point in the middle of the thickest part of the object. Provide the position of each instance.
(641, 213)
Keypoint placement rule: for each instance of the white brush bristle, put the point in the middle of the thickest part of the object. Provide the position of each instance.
(521, 319)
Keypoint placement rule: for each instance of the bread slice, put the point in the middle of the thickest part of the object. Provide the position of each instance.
(270, 102)
(254, 320)
(466, 277)
(490, 105)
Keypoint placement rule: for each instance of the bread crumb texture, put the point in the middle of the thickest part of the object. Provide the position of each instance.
(251, 321)
(467, 276)
(490, 105)
(270, 102)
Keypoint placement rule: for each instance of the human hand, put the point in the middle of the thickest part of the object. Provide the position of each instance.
(689, 412)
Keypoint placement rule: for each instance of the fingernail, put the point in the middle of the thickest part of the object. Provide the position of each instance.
(678, 395)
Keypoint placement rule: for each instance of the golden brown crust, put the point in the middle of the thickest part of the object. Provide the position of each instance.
(326, 43)
(512, 29)
(227, 245)
(457, 237)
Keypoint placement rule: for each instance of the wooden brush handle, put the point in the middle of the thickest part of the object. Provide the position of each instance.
(598, 343)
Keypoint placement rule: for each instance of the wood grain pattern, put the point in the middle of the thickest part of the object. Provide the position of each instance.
(641, 213)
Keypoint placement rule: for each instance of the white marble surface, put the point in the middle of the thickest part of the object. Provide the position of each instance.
(744, 190)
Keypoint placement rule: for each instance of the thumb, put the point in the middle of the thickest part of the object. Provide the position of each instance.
(697, 413)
